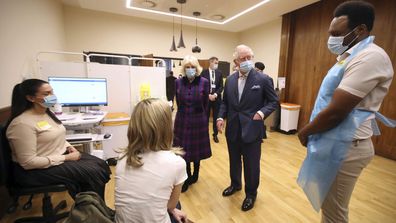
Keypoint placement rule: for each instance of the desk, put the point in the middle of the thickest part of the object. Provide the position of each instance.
(117, 125)
(84, 123)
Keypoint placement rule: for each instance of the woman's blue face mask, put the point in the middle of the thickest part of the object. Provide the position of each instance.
(50, 101)
(190, 72)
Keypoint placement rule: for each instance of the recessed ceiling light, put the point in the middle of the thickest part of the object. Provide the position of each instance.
(129, 6)
(148, 4)
(217, 17)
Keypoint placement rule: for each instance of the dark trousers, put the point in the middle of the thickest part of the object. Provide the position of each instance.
(87, 174)
(215, 106)
(251, 154)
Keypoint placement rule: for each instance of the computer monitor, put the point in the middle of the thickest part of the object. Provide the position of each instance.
(74, 91)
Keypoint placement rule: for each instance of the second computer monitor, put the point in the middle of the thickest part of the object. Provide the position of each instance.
(74, 91)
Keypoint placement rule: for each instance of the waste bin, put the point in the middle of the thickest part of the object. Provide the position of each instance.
(289, 116)
(117, 125)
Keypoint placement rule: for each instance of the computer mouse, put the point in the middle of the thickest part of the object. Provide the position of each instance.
(107, 135)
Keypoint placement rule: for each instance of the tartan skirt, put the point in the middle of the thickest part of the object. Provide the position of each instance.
(192, 134)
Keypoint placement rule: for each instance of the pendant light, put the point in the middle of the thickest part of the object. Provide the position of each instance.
(181, 40)
(196, 48)
(173, 46)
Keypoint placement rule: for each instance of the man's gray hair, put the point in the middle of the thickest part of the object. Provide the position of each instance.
(240, 48)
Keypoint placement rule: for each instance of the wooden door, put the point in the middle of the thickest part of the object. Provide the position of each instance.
(204, 64)
(147, 63)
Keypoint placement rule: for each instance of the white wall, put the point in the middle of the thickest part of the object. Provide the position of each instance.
(265, 42)
(88, 30)
(26, 27)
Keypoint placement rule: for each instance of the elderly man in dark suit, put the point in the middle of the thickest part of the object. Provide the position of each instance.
(215, 79)
(248, 99)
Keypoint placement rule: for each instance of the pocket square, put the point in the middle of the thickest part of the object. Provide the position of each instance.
(256, 87)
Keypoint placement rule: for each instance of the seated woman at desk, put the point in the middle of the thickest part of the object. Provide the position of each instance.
(40, 152)
(149, 175)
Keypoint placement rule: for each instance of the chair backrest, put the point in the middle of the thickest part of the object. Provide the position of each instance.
(5, 158)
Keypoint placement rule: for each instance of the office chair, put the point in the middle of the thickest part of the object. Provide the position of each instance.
(50, 214)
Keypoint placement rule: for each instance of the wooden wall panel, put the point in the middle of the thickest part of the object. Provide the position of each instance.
(204, 64)
(307, 59)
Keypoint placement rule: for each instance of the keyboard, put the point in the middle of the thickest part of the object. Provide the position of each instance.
(79, 137)
(66, 117)
(88, 117)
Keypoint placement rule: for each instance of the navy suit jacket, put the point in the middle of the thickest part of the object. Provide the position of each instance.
(258, 95)
(218, 82)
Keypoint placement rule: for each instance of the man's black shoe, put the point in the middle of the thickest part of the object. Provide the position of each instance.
(215, 139)
(248, 203)
(230, 191)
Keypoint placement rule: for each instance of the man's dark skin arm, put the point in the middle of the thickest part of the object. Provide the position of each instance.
(340, 106)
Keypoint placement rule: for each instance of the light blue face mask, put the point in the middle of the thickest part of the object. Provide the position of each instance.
(334, 43)
(246, 66)
(190, 72)
(50, 101)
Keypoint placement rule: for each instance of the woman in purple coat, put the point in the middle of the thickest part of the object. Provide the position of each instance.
(191, 123)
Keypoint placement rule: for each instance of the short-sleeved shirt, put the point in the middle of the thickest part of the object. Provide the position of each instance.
(368, 75)
(142, 193)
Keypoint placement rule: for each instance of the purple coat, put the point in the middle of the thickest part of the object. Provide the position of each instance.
(191, 122)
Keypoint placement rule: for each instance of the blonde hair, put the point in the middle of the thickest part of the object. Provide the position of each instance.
(194, 62)
(150, 129)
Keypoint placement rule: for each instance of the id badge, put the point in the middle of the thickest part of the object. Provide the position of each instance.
(43, 125)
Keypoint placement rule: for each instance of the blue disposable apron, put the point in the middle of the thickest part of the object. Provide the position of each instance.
(326, 151)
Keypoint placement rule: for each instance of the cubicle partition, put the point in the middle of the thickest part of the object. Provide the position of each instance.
(126, 86)
(124, 82)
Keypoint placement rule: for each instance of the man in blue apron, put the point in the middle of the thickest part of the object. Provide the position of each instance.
(343, 118)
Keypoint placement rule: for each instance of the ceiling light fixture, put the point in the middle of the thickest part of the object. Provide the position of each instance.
(196, 48)
(173, 46)
(148, 4)
(129, 6)
(181, 40)
(217, 17)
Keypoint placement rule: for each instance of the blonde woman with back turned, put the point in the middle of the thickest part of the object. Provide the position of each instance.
(149, 175)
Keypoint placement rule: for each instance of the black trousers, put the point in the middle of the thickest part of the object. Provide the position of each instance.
(87, 174)
(250, 154)
(215, 107)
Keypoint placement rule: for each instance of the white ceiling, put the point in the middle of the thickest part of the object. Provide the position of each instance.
(266, 12)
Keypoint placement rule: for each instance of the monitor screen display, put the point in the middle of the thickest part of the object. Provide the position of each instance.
(74, 91)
